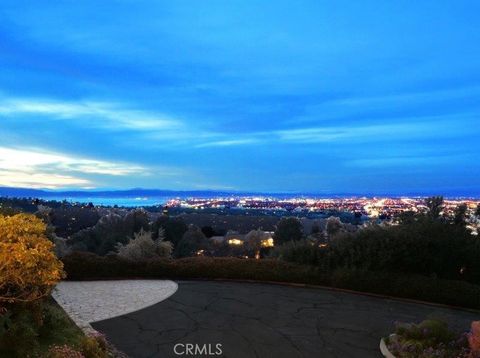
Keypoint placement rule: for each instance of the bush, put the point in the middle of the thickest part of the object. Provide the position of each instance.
(94, 346)
(305, 252)
(431, 338)
(18, 332)
(29, 268)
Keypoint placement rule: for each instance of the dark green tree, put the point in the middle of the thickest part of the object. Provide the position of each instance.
(434, 205)
(137, 219)
(460, 216)
(174, 228)
(288, 229)
(192, 241)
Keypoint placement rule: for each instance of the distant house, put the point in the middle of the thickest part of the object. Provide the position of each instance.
(234, 238)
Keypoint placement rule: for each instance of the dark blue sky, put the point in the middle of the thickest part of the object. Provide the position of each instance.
(317, 96)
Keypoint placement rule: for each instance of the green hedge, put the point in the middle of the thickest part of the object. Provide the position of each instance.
(87, 266)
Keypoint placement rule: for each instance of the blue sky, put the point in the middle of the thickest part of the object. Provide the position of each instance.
(317, 96)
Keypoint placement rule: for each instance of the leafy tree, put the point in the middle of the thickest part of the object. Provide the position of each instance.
(174, 228)
(406, 217)
(460, 215)
(288, 229)
(254, 241)
(334, 226)
(142, 247)
(434, 205)
(137, 220)
(29, 268)
(477, 211)
(110, 230)
(70, 219)
(193, 240)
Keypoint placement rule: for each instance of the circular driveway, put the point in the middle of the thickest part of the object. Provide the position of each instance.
(262, 320)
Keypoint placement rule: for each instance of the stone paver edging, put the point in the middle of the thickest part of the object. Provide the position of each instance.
(90, 301)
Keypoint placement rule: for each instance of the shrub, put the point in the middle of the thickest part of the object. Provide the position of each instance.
(474, 339)
(18, 332)
(29, 268)
(94, 346)
(304, 252)
(39, 329)
(431, 338)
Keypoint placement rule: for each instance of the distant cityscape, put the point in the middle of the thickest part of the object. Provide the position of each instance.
(370, 207)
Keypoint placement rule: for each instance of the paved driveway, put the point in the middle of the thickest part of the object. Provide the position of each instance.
(261, 320)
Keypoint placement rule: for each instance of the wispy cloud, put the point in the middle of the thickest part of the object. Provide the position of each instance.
(405, 161)
(96, 114)
(41, 180)
(37, 168)
(227, 143)
(379, 132)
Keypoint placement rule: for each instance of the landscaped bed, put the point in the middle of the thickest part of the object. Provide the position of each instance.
(44, 330)
(431, 338)
(86, 266)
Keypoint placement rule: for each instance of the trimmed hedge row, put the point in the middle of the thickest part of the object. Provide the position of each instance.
(87, 266)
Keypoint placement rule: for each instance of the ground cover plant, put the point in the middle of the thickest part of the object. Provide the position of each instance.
(433, 338)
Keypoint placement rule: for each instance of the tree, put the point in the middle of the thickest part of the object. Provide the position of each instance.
(334, 226)
(69, 219)
(406, 217)
(477, 211)
(434, 205)
(460, 215)
(142, 247)
(191, 243)
(136, 220)
(29, 268)
(174, 228)
(288, 229)
(254, 240)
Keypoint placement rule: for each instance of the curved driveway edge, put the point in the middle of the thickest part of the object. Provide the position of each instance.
(90, 301)
(261, 320)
